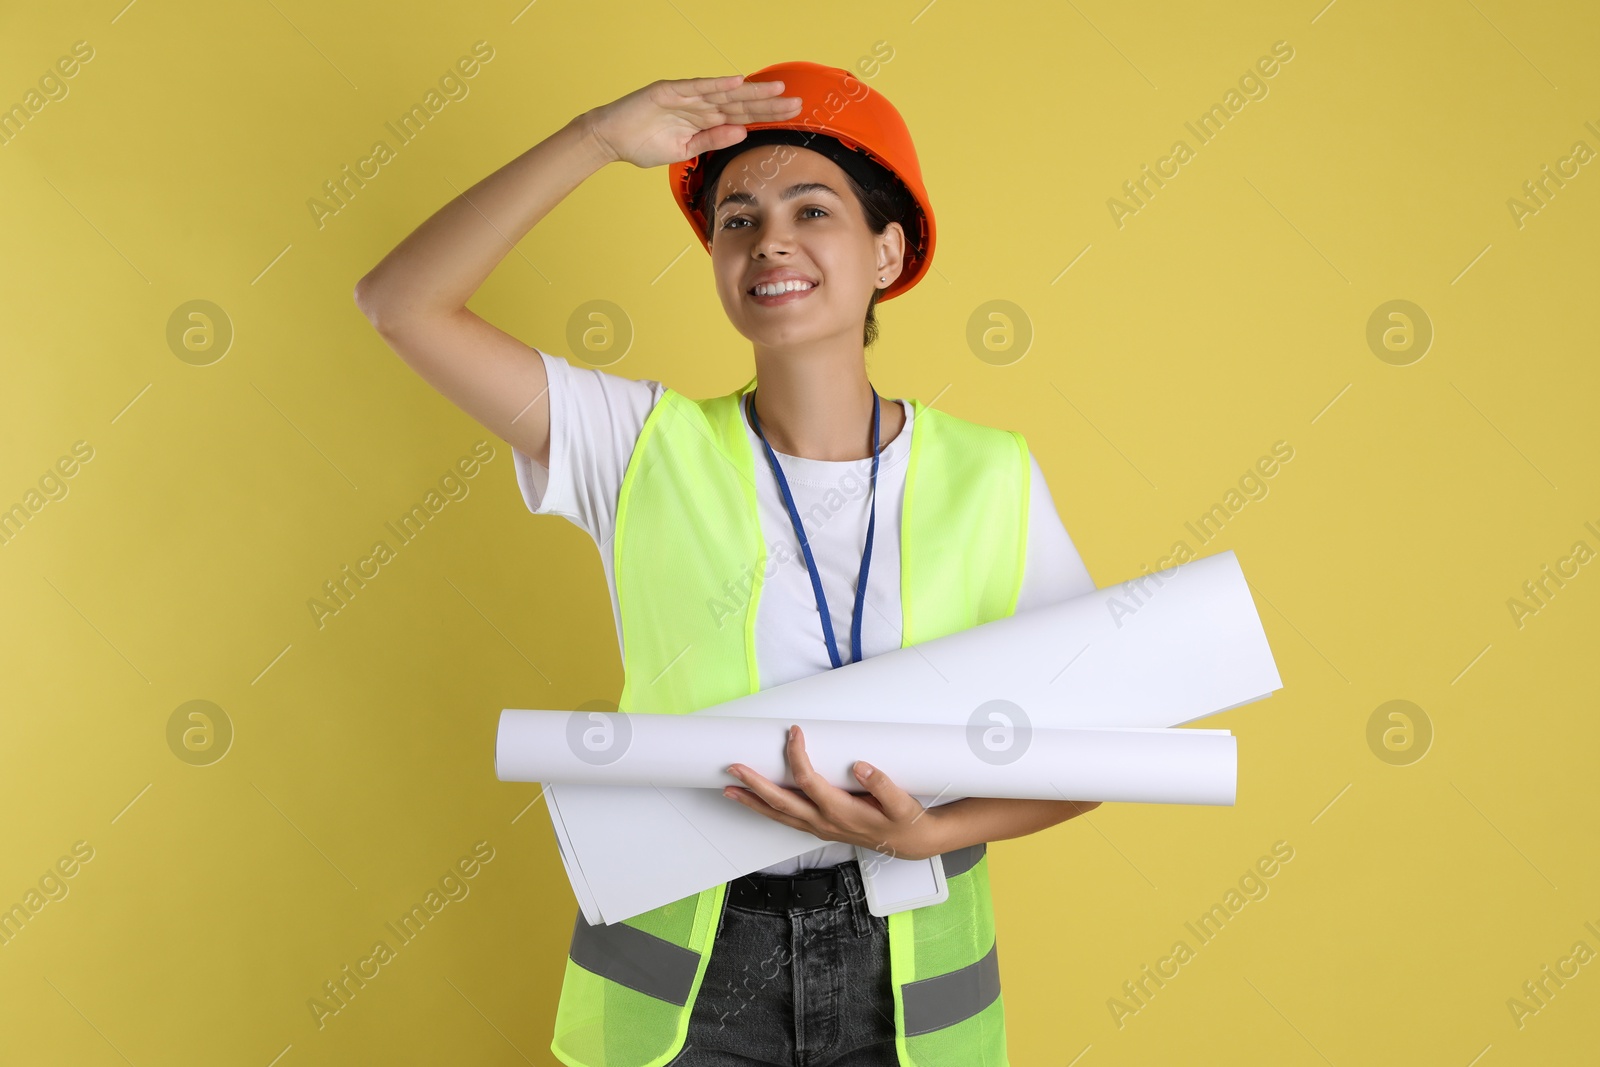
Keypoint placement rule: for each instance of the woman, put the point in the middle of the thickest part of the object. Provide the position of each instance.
(816, 523)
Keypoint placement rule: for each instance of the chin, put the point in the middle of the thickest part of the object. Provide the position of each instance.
(792, 334)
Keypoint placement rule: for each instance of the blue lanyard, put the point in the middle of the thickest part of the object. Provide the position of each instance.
(805, 545)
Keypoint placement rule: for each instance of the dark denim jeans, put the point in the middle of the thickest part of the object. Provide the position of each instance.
(805, 987)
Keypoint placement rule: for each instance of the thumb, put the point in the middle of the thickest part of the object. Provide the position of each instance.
(714, 138)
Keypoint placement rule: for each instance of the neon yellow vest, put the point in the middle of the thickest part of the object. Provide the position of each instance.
(689, 557)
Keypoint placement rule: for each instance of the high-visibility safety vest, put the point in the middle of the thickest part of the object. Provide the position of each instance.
(688, 543)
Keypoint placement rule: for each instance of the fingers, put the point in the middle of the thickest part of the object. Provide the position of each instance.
(896, 803)
(762, 793)
(826, 795)
(706, 86)
(825, 798)
(739, 112)
(820, 807)
(780, 106)
(728, 120)
(734, 88)
(723, 106)
(754, 98)
(750, 800)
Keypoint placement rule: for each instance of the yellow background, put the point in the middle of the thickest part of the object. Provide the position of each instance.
(1228, 313)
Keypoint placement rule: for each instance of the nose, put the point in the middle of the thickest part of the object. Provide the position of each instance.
(772, 239)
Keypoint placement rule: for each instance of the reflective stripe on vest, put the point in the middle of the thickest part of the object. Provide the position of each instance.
(641, 961)
(946, 999)
(656, 967)
(961, 860)
(690, 561)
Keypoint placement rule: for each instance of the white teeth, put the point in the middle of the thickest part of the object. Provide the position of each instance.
(780, 287)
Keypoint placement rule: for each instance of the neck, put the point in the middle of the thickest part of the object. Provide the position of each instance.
(819, 409)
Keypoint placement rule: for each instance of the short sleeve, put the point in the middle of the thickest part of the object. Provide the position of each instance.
(1054, 571)
(595, 420)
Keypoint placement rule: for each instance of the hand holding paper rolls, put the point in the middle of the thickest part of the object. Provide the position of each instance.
(639, 824)
(890, 820)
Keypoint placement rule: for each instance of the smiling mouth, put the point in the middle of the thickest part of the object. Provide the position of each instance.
(782, 296)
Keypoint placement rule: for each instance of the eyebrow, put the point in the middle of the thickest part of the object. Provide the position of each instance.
(797, 189)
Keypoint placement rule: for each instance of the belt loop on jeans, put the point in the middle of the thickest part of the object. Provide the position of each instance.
(855, 888)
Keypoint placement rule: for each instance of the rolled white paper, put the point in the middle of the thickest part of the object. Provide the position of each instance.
(1157, 651)
(984, 760)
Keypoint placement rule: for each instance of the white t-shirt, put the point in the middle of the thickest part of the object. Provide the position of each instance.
(595, 420)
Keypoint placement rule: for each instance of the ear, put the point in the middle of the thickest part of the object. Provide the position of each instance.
(891, 251)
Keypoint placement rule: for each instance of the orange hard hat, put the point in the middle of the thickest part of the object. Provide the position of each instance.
(844, 119)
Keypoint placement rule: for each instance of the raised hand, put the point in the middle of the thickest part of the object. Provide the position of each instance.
(671, 121)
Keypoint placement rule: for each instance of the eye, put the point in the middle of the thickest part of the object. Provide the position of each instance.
(728, 224)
